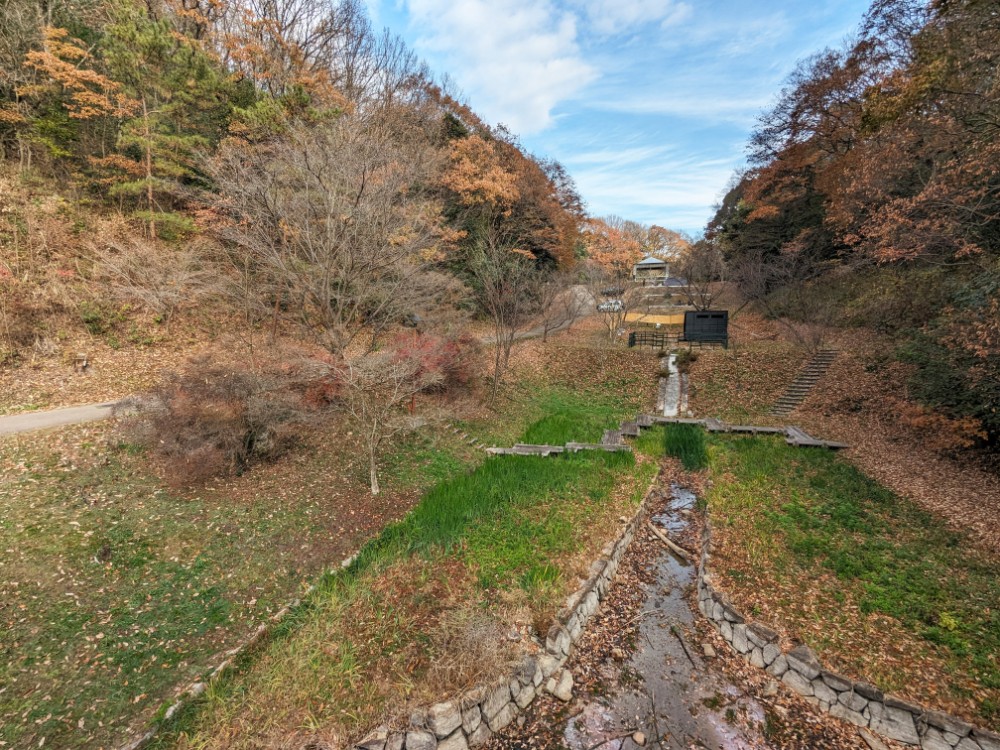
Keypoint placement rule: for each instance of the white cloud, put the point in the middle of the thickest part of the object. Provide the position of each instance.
(610, 17)
(515, 59)
(663, 187)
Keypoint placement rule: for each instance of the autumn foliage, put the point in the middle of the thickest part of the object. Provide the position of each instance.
(879, 162)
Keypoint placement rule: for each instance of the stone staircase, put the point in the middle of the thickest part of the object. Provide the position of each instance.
(804, 382)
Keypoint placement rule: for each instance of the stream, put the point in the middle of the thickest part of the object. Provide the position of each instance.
(665, 690)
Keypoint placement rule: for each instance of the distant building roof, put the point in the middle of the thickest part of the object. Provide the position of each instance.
(651, 260)
(674, 281)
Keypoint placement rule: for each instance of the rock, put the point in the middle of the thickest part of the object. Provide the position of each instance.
(495, 700)
(871, 740)
(740, 642)
(935, 739)
(835, 681)
(824, 692)
(843, 712)
(617, 654)
(731, 614)
(726, 628)
(757, 658)
(419, 740)
(709, 650)
(986, 740)
(804, 661)
(454, 741)
(779, 666)
(947, 723)
(761, 635)
(563, 687)
(480, 736)
(798, 683)
(375, 740)
(396, 741)
(770, 652)
(967, 744)
(525, 697)
(444, 718)
(870, 692)
(526, 672)
(894, 723)
(503, 717)
(471, 719)
(639, 738)
(549, 664)
(853, 701)
(771, 689)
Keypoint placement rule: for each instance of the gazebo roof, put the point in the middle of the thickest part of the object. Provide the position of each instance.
(651, 260)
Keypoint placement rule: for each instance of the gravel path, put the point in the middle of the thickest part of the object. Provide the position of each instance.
(42, 420)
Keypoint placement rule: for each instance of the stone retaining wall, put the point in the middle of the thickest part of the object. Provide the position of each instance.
(857, 702)
(471, 719)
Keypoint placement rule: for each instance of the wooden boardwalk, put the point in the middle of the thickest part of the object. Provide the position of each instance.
(793, 435)
(613, 440)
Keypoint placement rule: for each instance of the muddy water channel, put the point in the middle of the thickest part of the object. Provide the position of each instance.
(642, 677)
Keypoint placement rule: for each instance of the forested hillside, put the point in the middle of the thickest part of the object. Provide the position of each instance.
(283, 157)
(873, 199)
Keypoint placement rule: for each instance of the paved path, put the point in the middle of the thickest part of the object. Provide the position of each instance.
(41, 420)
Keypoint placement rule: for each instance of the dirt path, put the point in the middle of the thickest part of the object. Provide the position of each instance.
(642, 677)
(42, 420)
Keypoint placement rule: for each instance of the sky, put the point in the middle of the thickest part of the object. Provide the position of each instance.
(647, 103)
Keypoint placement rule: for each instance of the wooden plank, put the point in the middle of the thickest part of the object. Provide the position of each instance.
(644, 420)
(678, 420)
(714, 425)
(631, 429)
(619, 448)
(755, 429)
(612, 437)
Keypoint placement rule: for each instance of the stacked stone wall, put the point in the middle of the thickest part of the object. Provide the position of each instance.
(857, 702)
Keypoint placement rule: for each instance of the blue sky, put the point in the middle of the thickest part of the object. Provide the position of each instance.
(648, 103)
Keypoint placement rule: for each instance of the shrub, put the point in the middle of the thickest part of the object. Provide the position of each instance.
(215, 419)
(686, 358)
(449, 363)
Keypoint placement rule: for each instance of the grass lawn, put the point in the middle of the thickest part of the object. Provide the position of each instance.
(881, 589)
(115, 589)
(426, 609)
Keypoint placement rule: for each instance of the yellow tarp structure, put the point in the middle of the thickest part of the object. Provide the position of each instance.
(675, 319)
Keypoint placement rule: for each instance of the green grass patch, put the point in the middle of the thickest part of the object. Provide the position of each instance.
(688, 443)
(806, 518)
(507, 529)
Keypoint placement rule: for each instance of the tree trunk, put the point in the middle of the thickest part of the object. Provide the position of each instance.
(373, 470)
(149, 169)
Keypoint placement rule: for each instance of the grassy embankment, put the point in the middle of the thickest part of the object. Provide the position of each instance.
(881, 589)
(426, 608)
(116, 589)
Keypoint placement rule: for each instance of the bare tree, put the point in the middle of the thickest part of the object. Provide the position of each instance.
(615, 296)
(506, 282)
(562, 301)
(375, 387)
(161, 280)
(783, 286)
(336, 220)
(703, 267)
